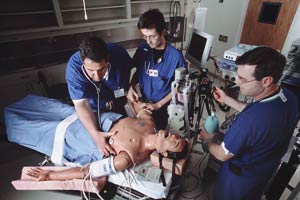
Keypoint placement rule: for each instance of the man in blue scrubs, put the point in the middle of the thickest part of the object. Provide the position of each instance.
(98, 77)
(259, 136)
(156, 61)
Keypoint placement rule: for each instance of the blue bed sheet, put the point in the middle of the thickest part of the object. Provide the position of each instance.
(32, 121)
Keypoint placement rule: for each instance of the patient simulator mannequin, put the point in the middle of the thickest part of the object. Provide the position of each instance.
(133, 139)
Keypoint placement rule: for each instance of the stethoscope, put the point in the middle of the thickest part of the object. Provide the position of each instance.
(147, 66)
(98, 88)
(147, 63)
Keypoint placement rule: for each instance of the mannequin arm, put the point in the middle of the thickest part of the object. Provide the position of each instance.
(40, 174)
(122, 161)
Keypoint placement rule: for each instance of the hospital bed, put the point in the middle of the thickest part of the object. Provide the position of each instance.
(47, 126)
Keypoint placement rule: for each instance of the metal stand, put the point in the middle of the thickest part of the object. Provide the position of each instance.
(295, 193)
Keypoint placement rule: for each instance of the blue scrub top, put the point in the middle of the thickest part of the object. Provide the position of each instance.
(156, 88)
(258, 138)
(81, 88)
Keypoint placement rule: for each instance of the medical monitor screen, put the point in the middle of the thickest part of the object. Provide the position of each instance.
(199, 48)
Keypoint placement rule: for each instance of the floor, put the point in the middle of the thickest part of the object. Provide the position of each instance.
(13, 157)
(196, 185)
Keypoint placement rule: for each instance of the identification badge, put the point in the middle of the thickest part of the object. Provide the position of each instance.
(153, 72)
(119, 93)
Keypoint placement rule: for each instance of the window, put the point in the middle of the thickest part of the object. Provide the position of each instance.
(269, 12)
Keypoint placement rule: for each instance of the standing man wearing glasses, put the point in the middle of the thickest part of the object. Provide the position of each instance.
(259, 136)
(98, 77)
(156, 61)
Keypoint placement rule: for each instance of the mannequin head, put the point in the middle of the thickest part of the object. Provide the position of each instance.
(171, 145)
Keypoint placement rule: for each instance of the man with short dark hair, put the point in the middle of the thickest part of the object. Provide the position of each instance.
(259, 136)
(156, 61)
(98, 77)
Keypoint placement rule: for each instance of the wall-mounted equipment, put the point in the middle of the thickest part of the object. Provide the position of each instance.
(227, 65)
(237, 51)
(176, 24)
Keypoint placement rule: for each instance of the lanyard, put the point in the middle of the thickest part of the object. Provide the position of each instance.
(149, 71)
(147, 67)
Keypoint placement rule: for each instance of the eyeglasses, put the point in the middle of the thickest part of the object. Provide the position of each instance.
(150, 37)
(244, 81)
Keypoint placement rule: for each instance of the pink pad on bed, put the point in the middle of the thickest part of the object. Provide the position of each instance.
(27, 183)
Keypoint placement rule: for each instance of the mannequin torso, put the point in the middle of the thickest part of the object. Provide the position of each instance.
(130, 138)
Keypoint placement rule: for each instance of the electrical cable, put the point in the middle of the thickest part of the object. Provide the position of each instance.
(184, 24)
(174, 12)
(128, 179)
(98, 109)
(91, 184)
(213, 58)
(176, 23)
(199, 178)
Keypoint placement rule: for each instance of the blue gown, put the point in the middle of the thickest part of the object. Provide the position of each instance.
(32, 121)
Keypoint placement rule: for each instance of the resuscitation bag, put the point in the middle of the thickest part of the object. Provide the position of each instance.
(211, 124)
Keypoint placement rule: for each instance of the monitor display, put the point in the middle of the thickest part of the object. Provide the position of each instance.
(199, 48)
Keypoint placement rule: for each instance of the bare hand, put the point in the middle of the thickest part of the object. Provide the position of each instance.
(100, 182)
(204, 135)
(145, 114)
(102, 143)
(219, 95)
(132, 95)
(39, 174)
(150, 106)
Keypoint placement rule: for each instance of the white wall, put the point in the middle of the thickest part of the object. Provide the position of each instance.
(225, 18)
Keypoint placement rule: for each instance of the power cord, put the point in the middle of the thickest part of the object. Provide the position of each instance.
(90, 184)
(128, 179)
(197, 177)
